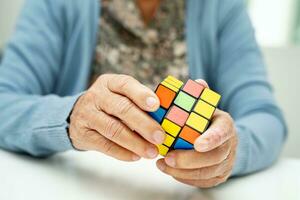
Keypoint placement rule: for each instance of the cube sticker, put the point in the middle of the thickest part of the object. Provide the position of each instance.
(158, 115)
(169, 141)
(171, 128)
(204, 109)
(189, 134)
(185, 101)
(177, 115)
(197, 122)
(210, 97)
(165, 95)
(193, 88)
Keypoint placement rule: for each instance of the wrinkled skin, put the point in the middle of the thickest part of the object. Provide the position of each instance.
(110, 118)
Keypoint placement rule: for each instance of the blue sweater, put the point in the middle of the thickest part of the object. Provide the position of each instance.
(47, 63)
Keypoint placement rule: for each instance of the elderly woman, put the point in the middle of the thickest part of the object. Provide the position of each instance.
(61, 86)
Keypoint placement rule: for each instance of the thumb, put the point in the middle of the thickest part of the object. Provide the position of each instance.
(202, 82)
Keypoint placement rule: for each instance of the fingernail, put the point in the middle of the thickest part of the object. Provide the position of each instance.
(152, 152)
(201, 144)
(161, 166)
(202, 82)
(170, 160)
(151, 102)
(135, 158)
(159, 137)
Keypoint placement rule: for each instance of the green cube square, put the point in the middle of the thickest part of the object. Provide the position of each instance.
(185, 101)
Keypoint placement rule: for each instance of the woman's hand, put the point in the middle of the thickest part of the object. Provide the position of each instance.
(110, 118)
(212, 161)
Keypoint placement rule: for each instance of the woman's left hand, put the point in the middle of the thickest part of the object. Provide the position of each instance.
(211, 162)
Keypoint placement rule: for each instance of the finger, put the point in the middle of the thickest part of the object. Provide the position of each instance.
(220, 131)
(116, 131)
(202, 82)
(199, 173)
(205, 183)
(192, 174)
(190, 159)
(95, 141)
(136, 119)
(135, 91)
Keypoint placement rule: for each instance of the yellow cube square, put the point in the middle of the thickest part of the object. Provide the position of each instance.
(174, 81)
(170, 127)
(197, 122)
(168, 85)
(204, 109)
(210, 97)
(169, 140)
(162, 149)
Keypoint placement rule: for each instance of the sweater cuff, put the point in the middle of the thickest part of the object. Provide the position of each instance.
(242, 151)
(54, 133)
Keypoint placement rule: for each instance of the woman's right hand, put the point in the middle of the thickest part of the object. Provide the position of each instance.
(110, 118)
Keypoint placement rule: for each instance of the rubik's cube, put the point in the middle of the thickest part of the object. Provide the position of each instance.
(185, 112)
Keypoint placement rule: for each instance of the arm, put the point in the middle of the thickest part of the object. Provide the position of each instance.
(247, 95)
(102, 119)
(32, 119)
(240, 77)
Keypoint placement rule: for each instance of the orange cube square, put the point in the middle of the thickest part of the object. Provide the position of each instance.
(189, 134)
(165, 95)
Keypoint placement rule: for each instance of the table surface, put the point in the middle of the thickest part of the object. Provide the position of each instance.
(91, 175)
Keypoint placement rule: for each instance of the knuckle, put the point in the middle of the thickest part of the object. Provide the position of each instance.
(85, 135)
(220, 156)
(124, 83)
(225, 148)
(113, 129)
(123, 80)
(182, 162)
(106, 146)
(226, 115)
(93, 138)
(221, 179)
(124, 106)
(90, 99)
(206, 172)
(216, 136)
(103, 77)
(78, 112)
(199, 173)
(89, 96)
(78, 118)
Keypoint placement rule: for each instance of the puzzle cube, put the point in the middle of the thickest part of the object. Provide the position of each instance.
(185, 112)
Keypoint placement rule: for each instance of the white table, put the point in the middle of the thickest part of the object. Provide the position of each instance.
(89, 176)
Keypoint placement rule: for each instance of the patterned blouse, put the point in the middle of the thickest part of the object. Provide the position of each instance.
(148, 53)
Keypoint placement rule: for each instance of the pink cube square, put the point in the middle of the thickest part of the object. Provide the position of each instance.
(177, 115)
(193, 88)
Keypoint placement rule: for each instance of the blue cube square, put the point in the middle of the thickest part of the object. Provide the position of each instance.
(158, 115)
(182, 144)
